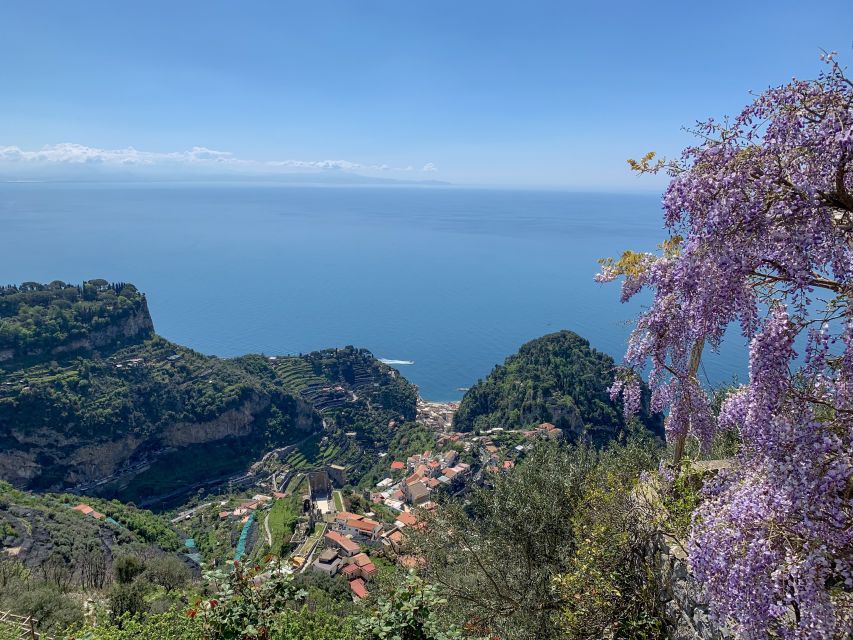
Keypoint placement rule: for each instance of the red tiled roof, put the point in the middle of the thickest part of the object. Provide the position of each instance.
(449, 473)
(368, 569)
(349, 570)
(358, 588)
(361, 559)
(415, 477)
(344, 543)
(368, 526)
(97, 515)
(407, 518)
(343, 516)
(397, 465)
(84, 508)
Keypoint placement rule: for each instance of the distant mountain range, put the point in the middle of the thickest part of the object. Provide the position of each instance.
(105, 173)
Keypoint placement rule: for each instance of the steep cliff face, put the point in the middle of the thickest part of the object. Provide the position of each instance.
(44, 321)
(137, 324)
(101, 404)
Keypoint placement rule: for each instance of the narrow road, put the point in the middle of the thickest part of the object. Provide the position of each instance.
(267, 529)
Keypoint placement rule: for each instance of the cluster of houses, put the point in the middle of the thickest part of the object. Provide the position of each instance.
(427, 472)
(244, 509)
(343, 542)
(343, 555)
(437, 416)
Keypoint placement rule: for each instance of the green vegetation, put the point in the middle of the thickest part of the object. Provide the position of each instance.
(553, 550)
(281, 521)
(145, 524)
(49, 530)
(558, 378)
(42, 320)
(153, 417)
(240, 605)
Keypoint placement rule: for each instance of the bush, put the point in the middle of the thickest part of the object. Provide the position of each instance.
(126, 600)
(126, 568)
(554, 550)
(409, 613)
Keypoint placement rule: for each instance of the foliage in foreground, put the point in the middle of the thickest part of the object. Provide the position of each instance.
(760, 216)
(554, 550)
(261, 602)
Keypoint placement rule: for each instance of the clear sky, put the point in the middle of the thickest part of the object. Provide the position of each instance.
(509, 93)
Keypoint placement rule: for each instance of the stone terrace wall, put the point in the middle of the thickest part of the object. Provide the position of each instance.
(686, 612)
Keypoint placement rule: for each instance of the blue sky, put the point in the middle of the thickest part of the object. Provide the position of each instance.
(506, 93)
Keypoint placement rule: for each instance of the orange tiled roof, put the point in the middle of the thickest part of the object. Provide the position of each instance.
(343, 516)
(358, 588)
(366, 525)
(344, 543)
(407, 518)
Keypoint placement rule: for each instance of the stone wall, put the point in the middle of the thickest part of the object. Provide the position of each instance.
(686, 612)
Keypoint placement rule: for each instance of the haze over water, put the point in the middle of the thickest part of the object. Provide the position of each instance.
(454, 279)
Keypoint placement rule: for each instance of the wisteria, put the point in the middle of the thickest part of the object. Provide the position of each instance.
(760, 215)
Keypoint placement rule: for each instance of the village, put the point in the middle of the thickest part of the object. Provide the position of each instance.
(315, 521)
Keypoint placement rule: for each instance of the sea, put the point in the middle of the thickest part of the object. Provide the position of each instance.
(442, 282)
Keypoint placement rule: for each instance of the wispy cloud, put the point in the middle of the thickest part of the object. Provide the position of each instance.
(77, 154)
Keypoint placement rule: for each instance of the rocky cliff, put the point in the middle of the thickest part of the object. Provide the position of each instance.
(111, 408)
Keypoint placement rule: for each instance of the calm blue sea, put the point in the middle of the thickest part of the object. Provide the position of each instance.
(453, 279)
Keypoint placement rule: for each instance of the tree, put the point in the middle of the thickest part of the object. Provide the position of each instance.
(126, 568)
(760, 216)
(499, 559)
(91, 563)
(168, 572)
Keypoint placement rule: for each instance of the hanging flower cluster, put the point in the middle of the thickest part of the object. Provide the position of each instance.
(761, 220)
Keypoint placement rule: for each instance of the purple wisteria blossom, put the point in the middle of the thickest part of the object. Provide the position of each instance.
(760, 214)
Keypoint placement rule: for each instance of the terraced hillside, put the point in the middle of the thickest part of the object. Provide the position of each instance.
(141, 417)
